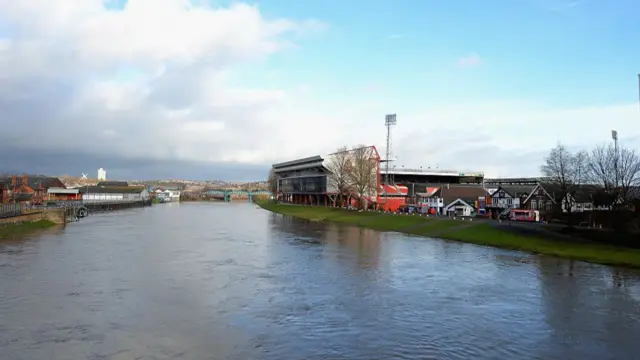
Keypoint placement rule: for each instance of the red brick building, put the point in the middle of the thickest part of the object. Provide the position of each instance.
(27, 188)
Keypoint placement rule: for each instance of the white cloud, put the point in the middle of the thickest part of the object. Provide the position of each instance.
(159, 80)
(471, 60)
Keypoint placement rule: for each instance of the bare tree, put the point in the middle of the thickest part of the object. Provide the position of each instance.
(272, 180)
(567, 170)
(338, 165)
(363, 175)
(616, 172)
(628, 171)
(600, 167)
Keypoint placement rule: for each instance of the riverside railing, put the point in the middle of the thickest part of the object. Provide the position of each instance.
(10, 210)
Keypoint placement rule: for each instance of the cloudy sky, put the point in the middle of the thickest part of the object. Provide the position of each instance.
(219, 89)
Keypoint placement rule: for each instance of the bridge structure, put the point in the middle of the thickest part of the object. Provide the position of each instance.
(229, 195)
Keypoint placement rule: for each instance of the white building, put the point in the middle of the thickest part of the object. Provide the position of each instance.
(98, 194)
(168, 195)
(102, 174)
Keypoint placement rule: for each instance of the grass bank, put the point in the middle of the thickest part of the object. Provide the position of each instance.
(11, 230)
(479, 233)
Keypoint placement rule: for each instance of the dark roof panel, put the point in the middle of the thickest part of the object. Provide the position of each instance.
(298, 161)
(112, 183)
(469, 193)
(111, 189)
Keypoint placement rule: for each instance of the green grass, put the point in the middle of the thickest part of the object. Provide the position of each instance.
(437, 226)
(485, 234)
(11, 230)
(393, 222)
(478, 233)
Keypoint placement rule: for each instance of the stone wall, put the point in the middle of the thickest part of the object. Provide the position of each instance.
(54, 215)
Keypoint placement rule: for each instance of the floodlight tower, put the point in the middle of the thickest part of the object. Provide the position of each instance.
(614, 137)
(389, 121)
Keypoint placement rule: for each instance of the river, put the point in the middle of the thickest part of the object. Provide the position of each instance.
(231, 281)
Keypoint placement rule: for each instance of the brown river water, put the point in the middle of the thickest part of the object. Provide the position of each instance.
(231, 281)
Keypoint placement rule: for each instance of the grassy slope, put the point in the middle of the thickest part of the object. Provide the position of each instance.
(8, 231)
(480, 234)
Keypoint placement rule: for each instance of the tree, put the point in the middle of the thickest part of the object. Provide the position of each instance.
(363, 174)
(600, 167)
(567, 171)
(615, 172)
(338, 166)
(628, 173)
(272, 181)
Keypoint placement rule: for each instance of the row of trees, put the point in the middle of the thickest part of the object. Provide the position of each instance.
(606, 169)
(353, 174)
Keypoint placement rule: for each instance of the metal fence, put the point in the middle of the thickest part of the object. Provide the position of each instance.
(9, 210)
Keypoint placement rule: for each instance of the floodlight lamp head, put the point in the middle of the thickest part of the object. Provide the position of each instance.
(390, 119)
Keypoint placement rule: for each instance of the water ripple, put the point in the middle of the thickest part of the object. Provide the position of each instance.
(199, 281)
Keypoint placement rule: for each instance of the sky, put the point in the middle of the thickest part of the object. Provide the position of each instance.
(222, 89)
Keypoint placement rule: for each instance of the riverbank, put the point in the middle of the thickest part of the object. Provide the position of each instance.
(479, 233)
(10, 230)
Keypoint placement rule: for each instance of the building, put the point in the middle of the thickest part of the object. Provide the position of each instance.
(309, 180)
(115, 194)
(452, 199)
(169, 191)
(167, 195)
(27, 188)
(102, 174)
(421, 175)
(63, 194)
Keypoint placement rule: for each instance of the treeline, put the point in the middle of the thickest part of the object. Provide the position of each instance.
(608, 175)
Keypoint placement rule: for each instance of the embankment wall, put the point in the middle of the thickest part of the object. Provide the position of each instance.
(56, 216)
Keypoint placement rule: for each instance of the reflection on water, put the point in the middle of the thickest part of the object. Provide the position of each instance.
(226, 281)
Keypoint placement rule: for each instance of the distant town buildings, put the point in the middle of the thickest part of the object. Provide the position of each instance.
(102, 174)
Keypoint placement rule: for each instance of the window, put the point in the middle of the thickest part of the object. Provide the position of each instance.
(310, 184)
(534, 205)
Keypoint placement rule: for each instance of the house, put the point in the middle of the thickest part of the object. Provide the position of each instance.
(454, 199)
(548, 196)
(114, 194)
(507, 196)
(542, 198)
(167, 195)
(428, 197)
(463, 200)
(28, 188)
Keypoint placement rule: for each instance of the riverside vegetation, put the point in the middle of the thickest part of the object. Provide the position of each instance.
(480, 233)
